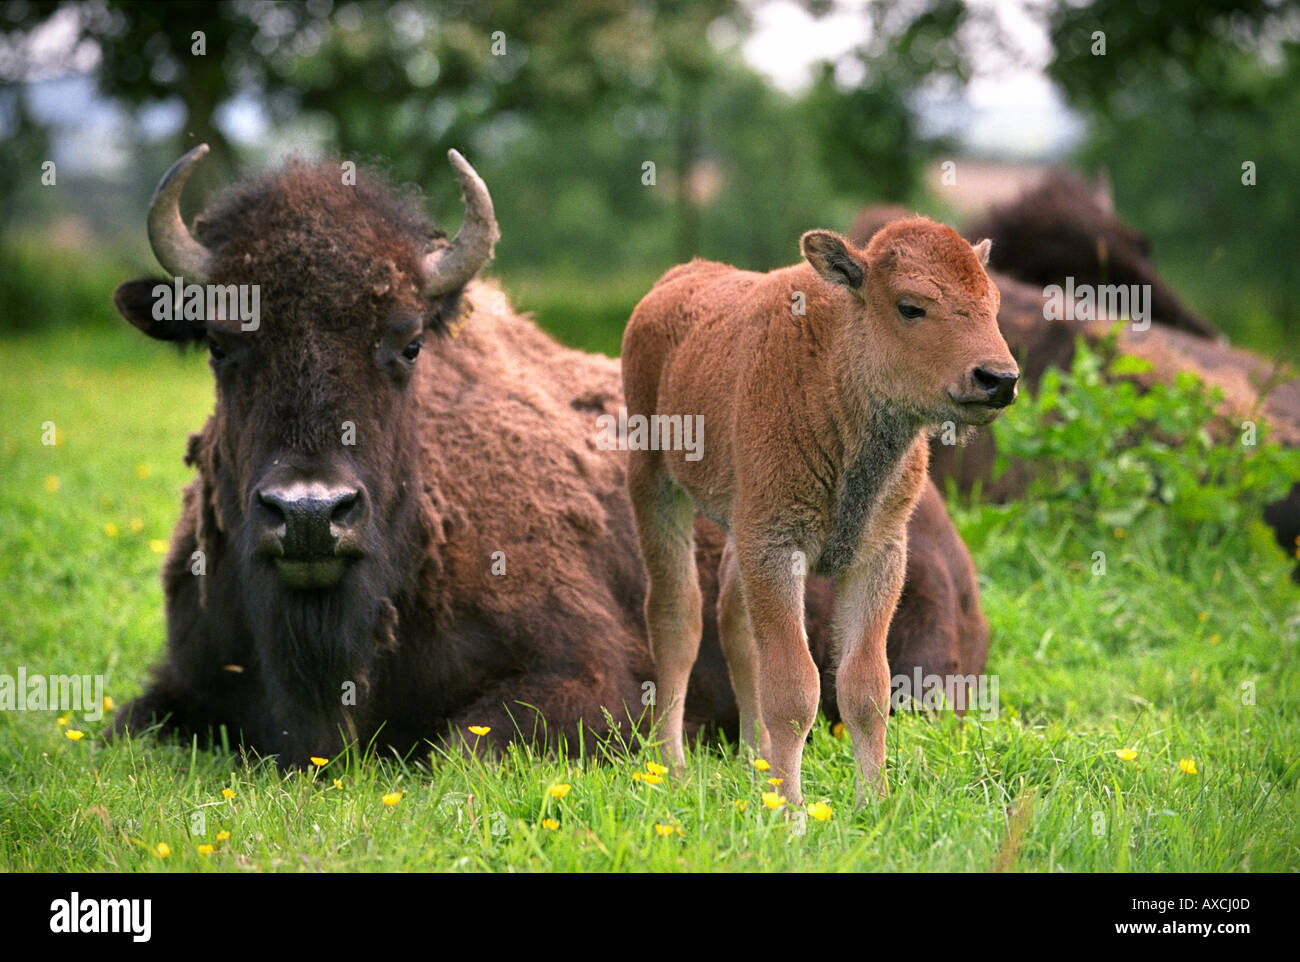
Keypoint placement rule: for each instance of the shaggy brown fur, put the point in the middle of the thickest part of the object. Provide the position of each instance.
(1063, 227)
(485, 444)
(814, 458)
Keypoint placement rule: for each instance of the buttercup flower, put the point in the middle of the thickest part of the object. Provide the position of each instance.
(652, 779)
(820, 811)
(227, 793)
(480, 730)
(163, 849)
(654, 768)
(559, 791)
(1126, 754)
(773, 800)
(761, 764)
(73, 735)
(550, 823)
(318, 761)
(392, 798)
(663, 830)
(1188, 766)
(742, 805)
(207, 849)
(63, 719)
(775, 781)
(223, 836)
(110, 529)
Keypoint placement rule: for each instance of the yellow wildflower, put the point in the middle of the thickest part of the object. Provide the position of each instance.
(664, 830)
(227, 793)
(559, 791)
(550, 823)
(163, 849)
(157, 545)
(338, 783)
(318, 761)
(652, 779)
(207, 849)
(654, 768)
(73, 735)
(820, 811)
(1187, 765)
(761, 765)
(773, 800)
(63, 719)
(480, 730)
(1126, 754)
(392, 798)
(742, 805)
(223, 836)
(775, 781)
(110, 529)
(108, 703)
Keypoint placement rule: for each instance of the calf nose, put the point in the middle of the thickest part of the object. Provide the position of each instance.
(310, 520)
(999, 387)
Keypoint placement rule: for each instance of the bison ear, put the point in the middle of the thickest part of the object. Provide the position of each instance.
(830, 257)
(149, 304)
(982, 251)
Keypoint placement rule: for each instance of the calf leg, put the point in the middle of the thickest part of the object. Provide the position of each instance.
(868, 594)
(787, 677)
(665, 526)
(737, 637)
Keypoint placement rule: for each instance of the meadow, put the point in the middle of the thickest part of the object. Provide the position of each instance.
(1148, 713)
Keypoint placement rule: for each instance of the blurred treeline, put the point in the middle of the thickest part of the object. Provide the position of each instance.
(561, 105)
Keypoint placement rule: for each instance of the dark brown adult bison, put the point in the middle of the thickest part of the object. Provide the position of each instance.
(402, 523)
(1067, 227)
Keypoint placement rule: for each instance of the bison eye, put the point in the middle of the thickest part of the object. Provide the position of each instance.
(215, 350)
(412, 350)
(909, 311)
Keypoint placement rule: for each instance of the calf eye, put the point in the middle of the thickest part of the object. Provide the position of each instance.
(215, 350)
(412, 350)
(910, 312)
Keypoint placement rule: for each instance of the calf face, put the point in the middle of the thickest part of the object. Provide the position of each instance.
(926, 312)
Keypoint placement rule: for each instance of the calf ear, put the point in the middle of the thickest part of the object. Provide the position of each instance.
(830, 257)
(982, 251)
(147, 302)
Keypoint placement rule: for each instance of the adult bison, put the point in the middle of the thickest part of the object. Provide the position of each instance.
(401, 522)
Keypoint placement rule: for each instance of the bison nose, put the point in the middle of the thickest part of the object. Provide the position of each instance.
(998, 387)
(311, 520)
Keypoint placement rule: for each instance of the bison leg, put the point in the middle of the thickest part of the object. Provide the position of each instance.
(788, 683)
(736, 635)
(868, 594)
(665, 526)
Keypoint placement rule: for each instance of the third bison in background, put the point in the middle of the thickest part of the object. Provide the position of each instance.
(816, 385)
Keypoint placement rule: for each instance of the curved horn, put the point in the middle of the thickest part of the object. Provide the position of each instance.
(451, 267)
(176, 249)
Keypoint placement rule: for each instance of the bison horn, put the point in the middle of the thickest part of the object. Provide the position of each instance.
(451, 266)
(176, 249)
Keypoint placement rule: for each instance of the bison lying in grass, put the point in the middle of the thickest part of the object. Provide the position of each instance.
(401, 522)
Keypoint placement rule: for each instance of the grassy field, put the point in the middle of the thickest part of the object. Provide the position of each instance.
(1183, 652)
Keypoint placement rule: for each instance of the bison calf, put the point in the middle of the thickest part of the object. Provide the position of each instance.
(816, 385)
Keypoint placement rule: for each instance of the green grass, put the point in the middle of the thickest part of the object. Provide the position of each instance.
(1153, 655)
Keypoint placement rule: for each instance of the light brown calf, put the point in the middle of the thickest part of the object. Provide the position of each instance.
(815, 386)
